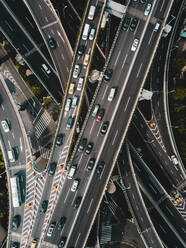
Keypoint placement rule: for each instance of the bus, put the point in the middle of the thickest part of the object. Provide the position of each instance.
(86, 31)
(91, 12)
(15, 190)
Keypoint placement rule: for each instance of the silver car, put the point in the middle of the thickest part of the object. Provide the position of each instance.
(76, 71)
(5, 126)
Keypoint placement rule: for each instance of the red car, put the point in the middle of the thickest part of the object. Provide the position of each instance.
(100, 115)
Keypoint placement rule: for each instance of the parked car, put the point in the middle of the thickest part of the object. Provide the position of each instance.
(126, 22)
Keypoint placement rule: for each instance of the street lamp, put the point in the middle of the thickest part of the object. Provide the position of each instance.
(64, 10)
(150, 142)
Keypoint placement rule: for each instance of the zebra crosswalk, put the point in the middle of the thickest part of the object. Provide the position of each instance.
(41, 123)
(106, 233)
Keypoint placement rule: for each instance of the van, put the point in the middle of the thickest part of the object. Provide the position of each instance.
(75, 101)
(34, 244)
(85, 31)
(80, 84)
(86, 60)
(11, 156)
(91, 12)
(112, 94)
(48, 71)
(72, 171)
(71, 89)
(95, 111)
(157, 26)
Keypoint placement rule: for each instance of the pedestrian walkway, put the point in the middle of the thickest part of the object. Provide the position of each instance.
(106, 233)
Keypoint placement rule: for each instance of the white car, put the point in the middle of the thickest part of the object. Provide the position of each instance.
(80, 84)
(134, 45)
(68, 104)
(51, 229)
(5, 126)
(76, 71)
(75, 185)
(148, 8)
(174, 159)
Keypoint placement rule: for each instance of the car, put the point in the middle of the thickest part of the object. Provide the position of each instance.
(92, 33)
(174, 159)
(72, 171)
(134, 45)
(5, 125)
(45, 67)
(81, 50)
(108, 74)
(100, 167)
(82, 145)
(77, 70)
(75, 101)
(104, 128)
(147, 9)
(15, 245)
(86, 60)
(100, 115)
(134, 24)
(62, 242)
(51, 229)
(52, 43)
(59, 139)
(52, 168)
(70, 123)
(75, 184)
(126, 23)
(157, 26)
(44, 206)
(90, 164)
(112, 94)
(96, 110)
(16, 221)
(72, 88)
(77, 202)
(80, 84)
(68, 104)
(89, 148)
(61, 223)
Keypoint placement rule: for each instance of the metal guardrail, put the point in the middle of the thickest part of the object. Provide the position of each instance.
(165, 91)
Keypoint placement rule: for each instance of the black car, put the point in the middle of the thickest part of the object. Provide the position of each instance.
(59, 139)
(90, 164)
(81, 50)
(16, 222)
(77, 202)
(108, 74)
(15, 245)
(126, 23)
(61, 223)
(89, 148)
(52, 168)
(134, 24)
(100, 167)
(52, 43)
(44, 206)
(104, 128)
(82, 145)
(62, 242)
